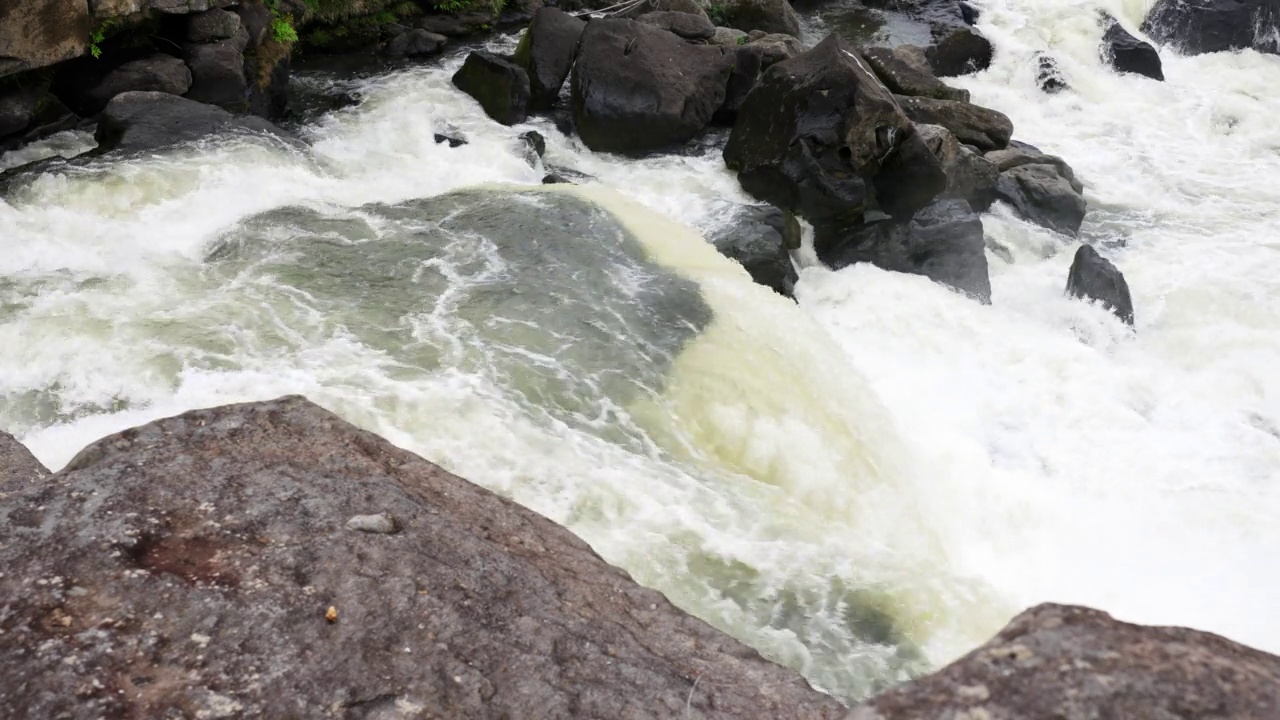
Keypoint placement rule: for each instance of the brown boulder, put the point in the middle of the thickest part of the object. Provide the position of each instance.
(38, 33)
(271, 560)
(1060, 661)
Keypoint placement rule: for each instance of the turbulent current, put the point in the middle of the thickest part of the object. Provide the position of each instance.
(863, 485)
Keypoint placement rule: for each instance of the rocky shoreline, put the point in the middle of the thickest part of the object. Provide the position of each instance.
(270, 560)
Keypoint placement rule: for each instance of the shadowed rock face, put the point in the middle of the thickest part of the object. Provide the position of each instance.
(17, 465)
(187, 568)
(1059, 661)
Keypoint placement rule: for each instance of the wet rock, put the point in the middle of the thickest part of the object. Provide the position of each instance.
(50, 116)
(974, 125)
(728, 37)
(212, 25)
(556, 179)
(637, 89)
(1039, 193)
(1049, 77)
(379, 524)
(769, 16)
(899, 70)
(415, 43)
(535, 146)
(558, 175)
(546, 52)
(773, 49)
(685, 25)
(500, 86)
(1128, 54)
(452, 140)
(39, 33)
(745, 75)
(457, 26)
(1207, 26)
(158, 73)
(1093, 277)
(958, 50)
(17, 109)
(18, 467)
(760, 239)
(943, 242)
(256, 20)
(1019, 153)
(692, 7)
(139, 121)
(213, 545)
(970, 176)
(217, 73)
(1075, 662)
(820, 137)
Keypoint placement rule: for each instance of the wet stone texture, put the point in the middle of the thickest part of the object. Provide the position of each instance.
(208, 566)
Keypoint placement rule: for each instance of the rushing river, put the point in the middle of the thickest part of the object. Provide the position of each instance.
(864, 485)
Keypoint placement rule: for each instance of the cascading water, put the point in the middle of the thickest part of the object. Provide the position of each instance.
(863, 486)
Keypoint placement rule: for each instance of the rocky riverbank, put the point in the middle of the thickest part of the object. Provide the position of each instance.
(271, 560)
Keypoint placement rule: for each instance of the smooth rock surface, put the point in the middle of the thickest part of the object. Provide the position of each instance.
(1039, 193)
(212, 25)
(546, 52)
(18, 467)
(638, 89)
(39, 33)
(138, 121)
(685, 25)
(1094, 277)
(499, 85)
(1128, 54)
(217, 73)
(760, 239)
(1195, 27)
(415, 43)
(769, 16)
(970, 176)
(895, 68)
(974, 125)
(200, 567)
(1061, 661)
(158, 73)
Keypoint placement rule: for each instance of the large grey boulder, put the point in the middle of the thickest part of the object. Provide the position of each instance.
(1093, 277)
(638, 89)
(158, 73)
(1207, 26)
(217, 72)
(761, 238)
(270, 560)
(1128, 54)
(1042, 195)
(1061, 661)
(212, 25)
(970, 176)
(769, 16)
(141, 121)
(500, 86)
(974, 125)
(39, 33)
(902, 71)
(546, 51)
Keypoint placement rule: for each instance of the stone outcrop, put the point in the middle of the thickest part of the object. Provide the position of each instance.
(500, 86)
(1206, 26)
(761, 239)
(1044, 196)
(769, 16)
(18, 467)
(1093, 277)
(158, 73)
(1059, 661)
(638, 89)
(39, 33)
(138, 121)
(970, 176)
(685, 25)
(546, 52)
(271, 560)
(902, 71)
(974, 125)
(1128, 54)
(819, 136)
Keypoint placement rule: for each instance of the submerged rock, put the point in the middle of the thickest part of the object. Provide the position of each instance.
(1206, 26)
(820, 137)
(974, 125)
(761, 239)
(1061, 661)
(638, 89)
(137, 121)
(1093, 277)
(499, 85)
(943, 242)
(1128, 54)
(546, 52)
(1049, 77)
(212, 548)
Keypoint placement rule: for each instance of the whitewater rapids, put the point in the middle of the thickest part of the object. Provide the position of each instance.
(863, 486)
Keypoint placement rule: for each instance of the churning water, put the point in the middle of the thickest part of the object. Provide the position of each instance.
(863, 485)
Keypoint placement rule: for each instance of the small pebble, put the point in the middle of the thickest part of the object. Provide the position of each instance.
(331, 614)
(382, 523)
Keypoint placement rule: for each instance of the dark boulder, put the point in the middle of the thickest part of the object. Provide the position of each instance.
(17, 109)
(970, 176)
(1206, 26)
(415, 43)
(217, 73)
(158, 73)
(638, 89)
(212, 25)
(769, 16)
(974, 125)
(943, 242)
(50, 116)
(958, 50)
(1049, 76)
(143, 121)
(692, 7)
(822, 138)
(269, 560)
(899, 72)
(1093, 277)
(686, 25)
(256, 20)
(773, 49)
(452, 140)
(19, 469)
(761, 239)
(1042, 195)
(535, 146)
(1061, 661)
(1019, 153)
(459, 25)
(499, 85)
(546, 52)
(745, 75)
(1128, 54)
(39, 33)
(728, 37)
